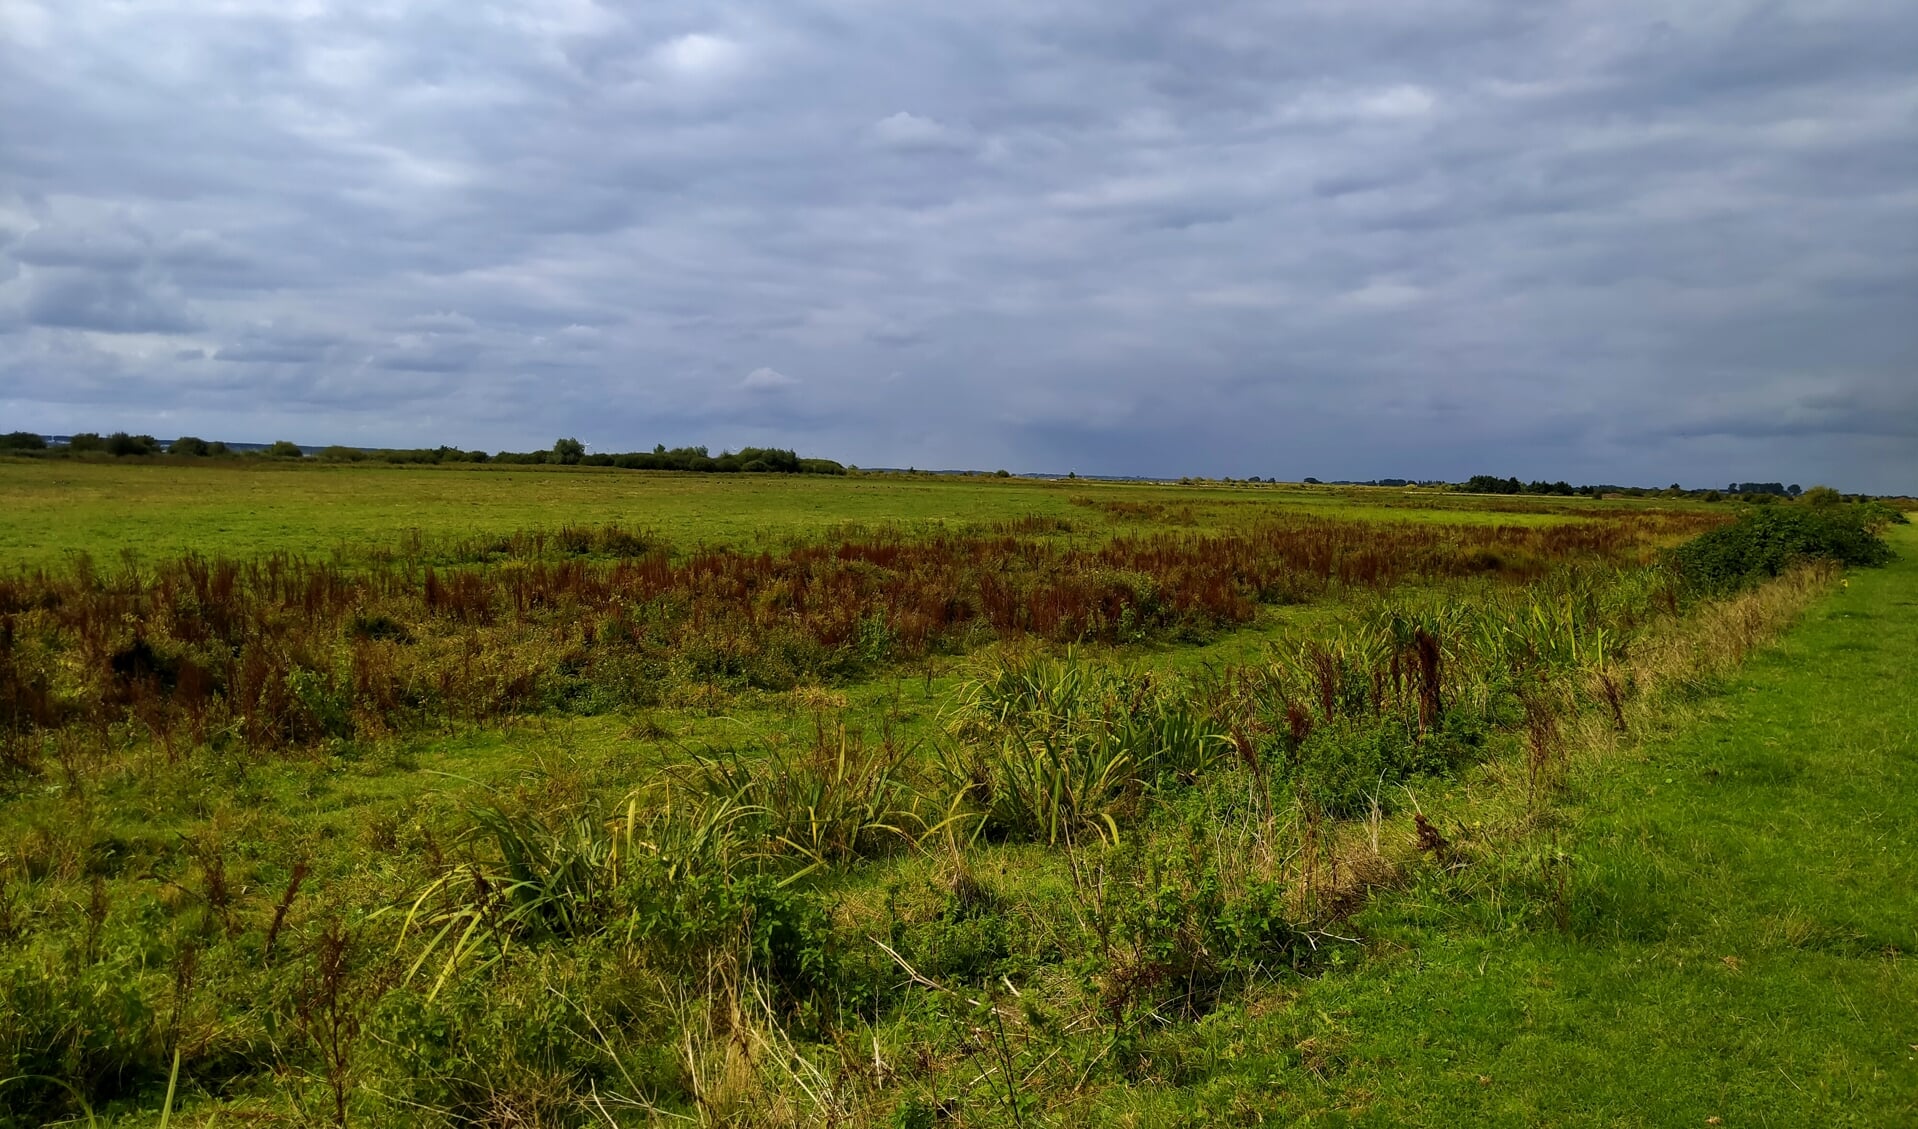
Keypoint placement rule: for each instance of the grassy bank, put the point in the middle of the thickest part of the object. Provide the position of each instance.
(1741, 914)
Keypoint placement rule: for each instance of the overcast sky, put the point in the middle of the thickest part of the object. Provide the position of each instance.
(1611, 241)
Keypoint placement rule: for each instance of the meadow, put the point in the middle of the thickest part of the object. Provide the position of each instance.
(168, 506)
(552, 796)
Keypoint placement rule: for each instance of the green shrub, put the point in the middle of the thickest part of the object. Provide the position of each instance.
(1765, 542)
(1181, 917)
(1346, 768)
(93, 1029)
(954, 931)
(120, 444)
(506, 1048)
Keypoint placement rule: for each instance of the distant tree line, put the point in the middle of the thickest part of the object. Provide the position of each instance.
(1757, 493)
(121, 444)
(565, 452)
(749, 460)
(1492, 484)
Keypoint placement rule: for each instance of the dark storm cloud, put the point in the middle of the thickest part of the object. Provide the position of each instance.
(1608, 241)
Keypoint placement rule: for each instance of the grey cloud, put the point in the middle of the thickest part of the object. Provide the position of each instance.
(441, 321)
(909, 131)
(93, 250)
(107, 303)
(1624, 242)
(429, 355)
(765, 380)
(271, 353)
(289, 344)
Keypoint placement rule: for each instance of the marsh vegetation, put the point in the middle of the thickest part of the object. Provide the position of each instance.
(1006, 822)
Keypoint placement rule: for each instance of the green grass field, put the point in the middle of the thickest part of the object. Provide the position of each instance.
(474, 869)
(161, 508)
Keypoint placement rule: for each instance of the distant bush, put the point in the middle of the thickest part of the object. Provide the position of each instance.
(339, 454)
(86, 441)
(1764, 542)
(426, 455)
(22, 441)
(1492, 484)
(120, 444)
(190, 445)
(1877, 515)
(283, 449)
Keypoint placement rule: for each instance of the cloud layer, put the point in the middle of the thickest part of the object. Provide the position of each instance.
(1613, 241)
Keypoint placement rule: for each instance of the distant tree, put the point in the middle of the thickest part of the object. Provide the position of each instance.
(284, 449)
(1310, 481)
(218, 448)
(189, 445)
(339, 454)
(1821, 496)
(1793, 490)
(1492, 484)
(1002, 474)
(1714, 496)
(22, 441)
(568, 451)
(87, 441)
(120, 444)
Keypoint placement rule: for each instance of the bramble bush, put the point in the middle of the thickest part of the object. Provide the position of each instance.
(1765, 542)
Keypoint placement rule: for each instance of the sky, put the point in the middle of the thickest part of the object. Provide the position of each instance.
(1604, 241)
